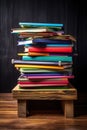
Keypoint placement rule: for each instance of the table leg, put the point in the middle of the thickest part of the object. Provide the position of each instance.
(22, 108)
(68, 108)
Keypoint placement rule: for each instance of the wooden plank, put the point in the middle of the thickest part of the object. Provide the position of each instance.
(22, 108)
(34, 94)
(69, 108)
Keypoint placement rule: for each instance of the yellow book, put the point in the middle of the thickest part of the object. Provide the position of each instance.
(39, 66)
(33, 54)
(22, 54)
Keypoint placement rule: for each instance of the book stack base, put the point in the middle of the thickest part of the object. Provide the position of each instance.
(66, 96)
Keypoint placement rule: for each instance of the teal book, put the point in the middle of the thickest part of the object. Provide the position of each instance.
(28, 24)
(48, 58)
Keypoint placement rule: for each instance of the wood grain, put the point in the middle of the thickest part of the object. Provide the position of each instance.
(50, 94)
(65, 95)
(41, 119)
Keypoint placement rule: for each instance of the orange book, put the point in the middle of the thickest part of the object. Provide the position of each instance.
(38, 54)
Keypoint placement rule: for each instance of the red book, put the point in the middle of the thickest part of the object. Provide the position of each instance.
(43, 82)
(51, 49)
(42, 85)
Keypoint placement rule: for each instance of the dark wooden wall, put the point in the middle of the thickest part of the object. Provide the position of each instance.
(71, 13)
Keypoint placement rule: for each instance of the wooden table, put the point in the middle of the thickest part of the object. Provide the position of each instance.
(67, 97)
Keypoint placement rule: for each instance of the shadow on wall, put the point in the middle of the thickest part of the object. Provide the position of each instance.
(8, 79)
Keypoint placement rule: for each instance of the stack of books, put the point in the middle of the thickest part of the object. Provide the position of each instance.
(46, 57)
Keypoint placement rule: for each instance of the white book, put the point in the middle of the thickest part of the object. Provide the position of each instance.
(25, 42)
(22, 30)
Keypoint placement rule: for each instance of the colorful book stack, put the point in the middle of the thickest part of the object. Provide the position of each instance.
(46, 60)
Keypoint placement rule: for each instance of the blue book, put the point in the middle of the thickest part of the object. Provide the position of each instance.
(51, 41)
(27, 24)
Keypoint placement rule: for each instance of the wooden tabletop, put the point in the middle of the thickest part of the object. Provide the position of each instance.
(50, 94)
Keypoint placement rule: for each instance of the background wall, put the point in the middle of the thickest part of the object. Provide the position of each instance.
(69, 12)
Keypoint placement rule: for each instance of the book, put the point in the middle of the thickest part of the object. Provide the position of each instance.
(51, 40)
(48, 76)
(64, 37)
(45, 74)
(51, 49)
(25, 42)
(23, 54)
(13, 61)
(25, 78)
(45, 88)
(43, 85)
(39, 66)
(47, 54)
(48, 58)
(53, 82)
(38, 71)
(30, 30)
(30, 43)
(33, 24)
(37, 54)
(52, 45)
(37, 35)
